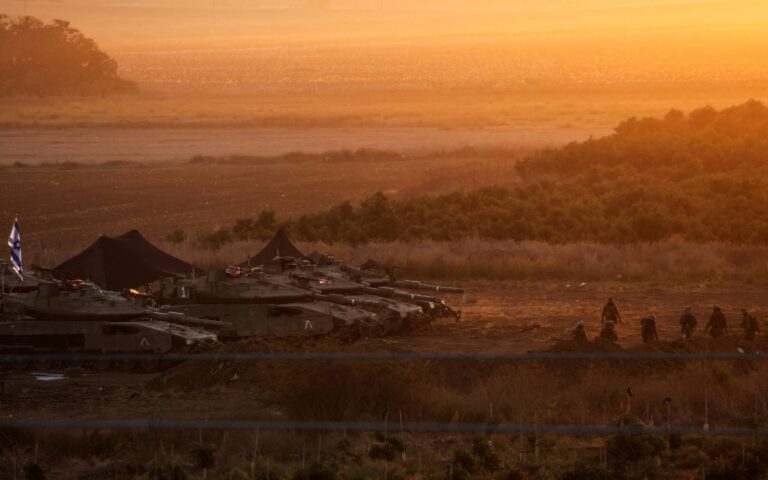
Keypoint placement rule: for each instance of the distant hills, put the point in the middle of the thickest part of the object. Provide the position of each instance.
(42, 59)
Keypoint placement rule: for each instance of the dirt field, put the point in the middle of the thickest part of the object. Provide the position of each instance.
(506, 317)
(57, 208)
(99, 145)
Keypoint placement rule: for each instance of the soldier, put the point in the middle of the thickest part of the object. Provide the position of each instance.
(687, 323)
(717, 326)
(610, 312)
(749, 325)
(579, 334)
(608, 333)
(648, 328)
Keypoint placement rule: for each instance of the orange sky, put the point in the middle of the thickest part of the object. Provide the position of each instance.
(126, 24)
(480, 42)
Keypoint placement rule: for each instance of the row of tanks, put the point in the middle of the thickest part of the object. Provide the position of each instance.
(277, 293)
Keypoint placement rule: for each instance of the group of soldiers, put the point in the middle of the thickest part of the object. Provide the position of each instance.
(717, 326)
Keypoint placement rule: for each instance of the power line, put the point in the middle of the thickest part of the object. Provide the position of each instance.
(151, 424)
(384, 356)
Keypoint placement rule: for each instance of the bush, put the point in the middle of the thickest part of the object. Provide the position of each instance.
(486, 455)
(388, 449)
(316, 471)
(586, 471)
(463, 465)
(214, 240)
(33, 471)
(625, 448)
(203, 457)
(167, 472)
(176, 236)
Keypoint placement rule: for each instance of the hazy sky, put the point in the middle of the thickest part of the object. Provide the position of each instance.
(171, 23)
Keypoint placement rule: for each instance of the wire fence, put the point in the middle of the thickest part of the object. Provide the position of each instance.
(588, 430)
(389, 356)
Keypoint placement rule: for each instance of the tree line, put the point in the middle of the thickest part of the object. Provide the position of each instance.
(700, 177)
(53, 59)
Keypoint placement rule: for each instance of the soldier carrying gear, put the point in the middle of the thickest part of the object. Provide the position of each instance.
(687, 323)
(648, 328)
(610, 312)
(608, 333)
(717, 326)
(579, 334)
(749, 325)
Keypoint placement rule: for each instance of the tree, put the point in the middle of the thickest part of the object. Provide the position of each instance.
(53, 59)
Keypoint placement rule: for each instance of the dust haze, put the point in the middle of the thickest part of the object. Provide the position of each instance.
(531, 163)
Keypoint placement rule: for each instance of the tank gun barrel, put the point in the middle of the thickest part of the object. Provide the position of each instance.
(417, 285)
(178, 317)
(390, 292)
(344, 300)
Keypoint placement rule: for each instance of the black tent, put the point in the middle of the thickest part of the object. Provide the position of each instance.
(279, 246)
(127, 261)
(142, 248)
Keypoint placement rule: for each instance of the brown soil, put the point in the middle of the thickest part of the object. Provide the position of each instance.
(510, 317)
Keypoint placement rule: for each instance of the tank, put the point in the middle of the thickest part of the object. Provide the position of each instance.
(300, 319)
(27, 335)
(86, 302)
(85, 319)
(334, 277)
(394, 314)
(256, 303)
(221, 288)
(10, 283)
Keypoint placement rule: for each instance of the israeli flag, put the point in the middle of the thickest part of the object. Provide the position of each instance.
(14, 241)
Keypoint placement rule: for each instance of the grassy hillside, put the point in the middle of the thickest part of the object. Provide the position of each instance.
(699, 177)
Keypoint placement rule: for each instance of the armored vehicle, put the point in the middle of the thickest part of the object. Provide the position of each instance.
(85, 319)
(27, 335)
(407, 310)
(299, 319)
(86, 302)
(10, 283)
(256, 304)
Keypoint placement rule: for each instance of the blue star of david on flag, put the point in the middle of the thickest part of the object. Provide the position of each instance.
(14, 241)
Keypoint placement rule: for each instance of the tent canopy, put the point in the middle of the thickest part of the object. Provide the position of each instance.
(141, 247)
(127, 261)
(279, 246)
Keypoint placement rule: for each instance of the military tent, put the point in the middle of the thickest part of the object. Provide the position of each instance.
(279, 246)
(142, 248)
(127, 261)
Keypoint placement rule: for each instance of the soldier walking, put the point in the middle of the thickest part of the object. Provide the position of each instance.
(749, 325)
(717, 326)
(608, 333)
(688, 323)
(648, 328)
(610, 312)
(579, 335)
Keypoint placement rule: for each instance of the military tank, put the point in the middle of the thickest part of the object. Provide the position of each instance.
(85, 319)
(255, 304)
(409, 310)
(299, 319)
